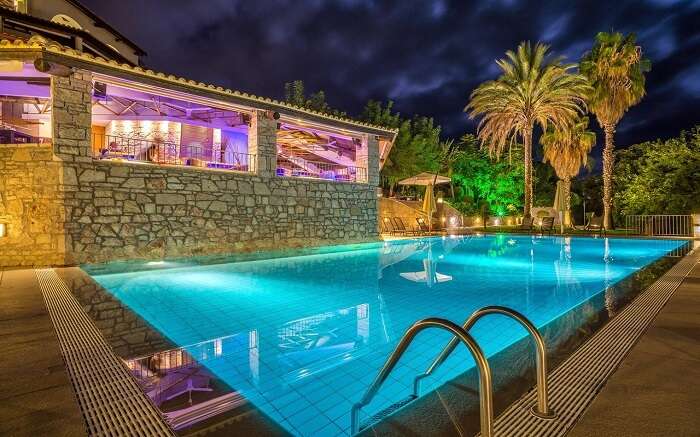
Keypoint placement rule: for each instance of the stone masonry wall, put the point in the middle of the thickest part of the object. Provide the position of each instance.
(31, 206)
(116, 210)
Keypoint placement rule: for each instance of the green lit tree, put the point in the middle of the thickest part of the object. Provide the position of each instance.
(615, 68)
(485, 185)
(532, 90)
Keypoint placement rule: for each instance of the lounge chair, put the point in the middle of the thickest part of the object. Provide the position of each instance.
(387, 227)
(526, 225)
(595, 224)
(547, 225)
(423, 226)
(400, 227)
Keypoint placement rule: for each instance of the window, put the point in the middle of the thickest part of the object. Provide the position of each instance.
(307, 152)
(130, 124)
(25, 106)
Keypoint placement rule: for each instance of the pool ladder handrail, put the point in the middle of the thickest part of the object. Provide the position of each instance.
(485, 385)
(542, 409)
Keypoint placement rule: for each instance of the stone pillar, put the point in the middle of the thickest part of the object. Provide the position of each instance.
(71, 116)
(373, 161)
(262, 143)
(71, 120)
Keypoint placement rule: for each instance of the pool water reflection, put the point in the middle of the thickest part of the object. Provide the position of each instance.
(301, 337)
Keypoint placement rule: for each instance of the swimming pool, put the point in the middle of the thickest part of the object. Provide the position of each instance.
(302, 337)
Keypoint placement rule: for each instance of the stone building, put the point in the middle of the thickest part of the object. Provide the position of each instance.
(102, 159)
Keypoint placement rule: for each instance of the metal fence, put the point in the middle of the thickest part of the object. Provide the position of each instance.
(138, 149)
(677, 225)
(302, 168)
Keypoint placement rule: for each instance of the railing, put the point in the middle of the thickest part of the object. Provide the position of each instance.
(660, 225)
(12, 136)
(291, 166)
(461, 334)
(485, 386)
(542, 408)
(112, 147)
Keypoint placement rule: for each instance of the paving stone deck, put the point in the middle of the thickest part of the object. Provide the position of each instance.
(36, 396)
(655, 391)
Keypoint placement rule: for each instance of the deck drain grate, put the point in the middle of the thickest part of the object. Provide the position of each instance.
(110, 399)
(388, 411)
(575, 383)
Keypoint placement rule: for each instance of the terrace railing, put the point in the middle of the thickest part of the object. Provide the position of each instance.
(136, 149)
(292, 166)
(671, 225)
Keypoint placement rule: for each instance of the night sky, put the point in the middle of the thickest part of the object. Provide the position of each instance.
(426, 56)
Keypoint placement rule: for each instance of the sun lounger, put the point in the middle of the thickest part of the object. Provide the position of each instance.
(424, 228)
(400, 227)
(547, 225)
(387, 227)
(526, 225)
(595, 224)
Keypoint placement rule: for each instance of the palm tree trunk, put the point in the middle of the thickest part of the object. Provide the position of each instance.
(567, 201)
(608, 162)
(527, 144)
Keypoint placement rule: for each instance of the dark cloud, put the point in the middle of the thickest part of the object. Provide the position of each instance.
(426, 56)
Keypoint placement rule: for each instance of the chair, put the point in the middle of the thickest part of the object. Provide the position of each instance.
(425, 229)
(400, 227)
(526, 225)
(547, 225)
(387, 227)
(595, 224)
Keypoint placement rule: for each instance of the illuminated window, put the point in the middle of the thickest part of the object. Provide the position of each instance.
(160, 128)
(309, 152)
(25, 107)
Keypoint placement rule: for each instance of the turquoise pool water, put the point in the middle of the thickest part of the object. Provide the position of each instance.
(303, 336)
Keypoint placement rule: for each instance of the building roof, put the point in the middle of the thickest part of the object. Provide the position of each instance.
(34, 24)
(99, 22)
(52, 51)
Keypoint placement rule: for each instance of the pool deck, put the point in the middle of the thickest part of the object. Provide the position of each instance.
(654, 392)
(36, 395)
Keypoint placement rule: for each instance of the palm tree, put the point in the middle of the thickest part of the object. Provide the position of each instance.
(615, 68)
(532, 89)
(567, 151)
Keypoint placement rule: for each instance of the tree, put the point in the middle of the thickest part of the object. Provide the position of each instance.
(294, 93)
(567, 152)
(615, 68)
(417, 147)
(531, 90)
(660, 177)
(486, 184)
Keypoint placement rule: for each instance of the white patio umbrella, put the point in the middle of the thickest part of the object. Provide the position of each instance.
(429, 180)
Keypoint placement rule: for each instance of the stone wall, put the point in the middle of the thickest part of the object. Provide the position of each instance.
(117, 210)
(31, 206)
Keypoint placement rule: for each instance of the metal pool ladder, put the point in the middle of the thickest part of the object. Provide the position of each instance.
(461, 334)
